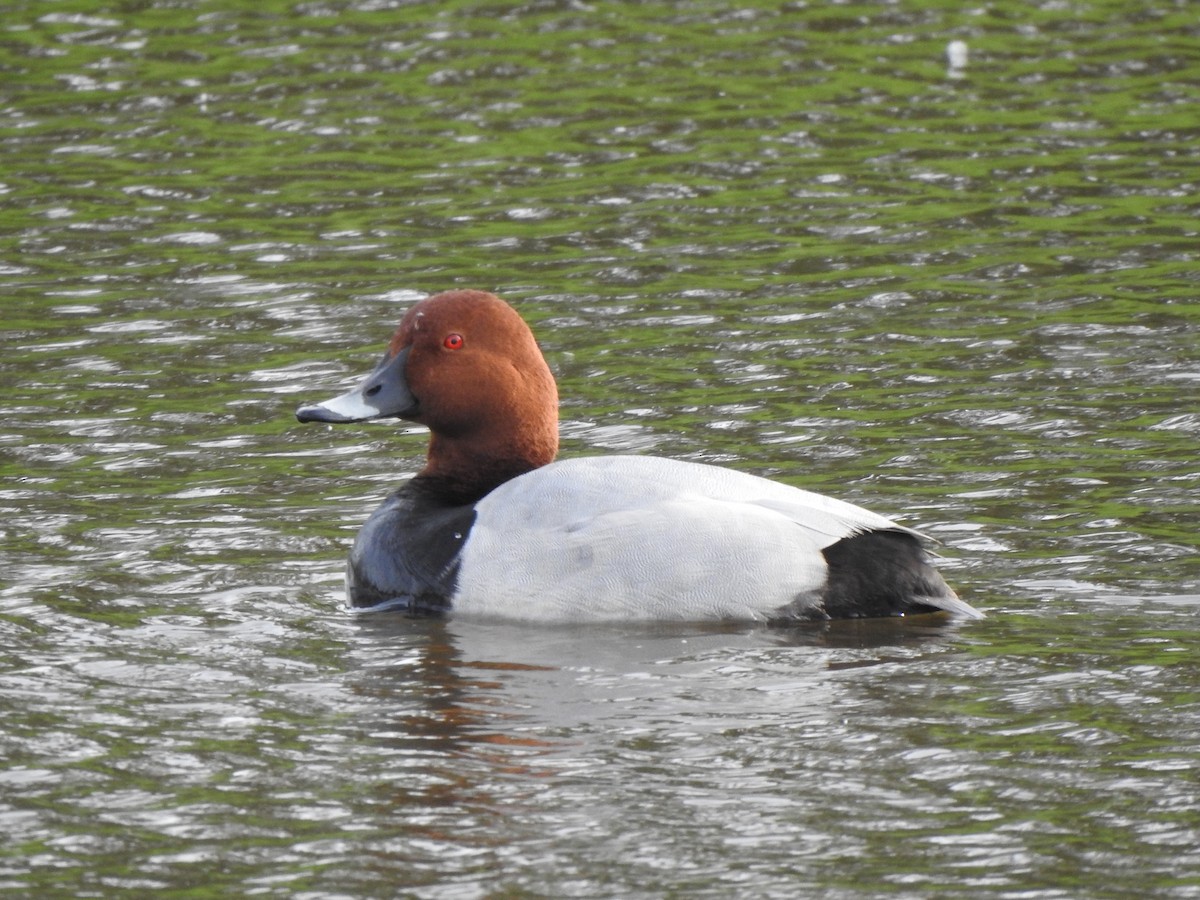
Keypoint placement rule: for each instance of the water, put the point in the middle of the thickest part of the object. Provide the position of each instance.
(784, 238)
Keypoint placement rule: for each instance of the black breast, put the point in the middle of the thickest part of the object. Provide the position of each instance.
(407, 553)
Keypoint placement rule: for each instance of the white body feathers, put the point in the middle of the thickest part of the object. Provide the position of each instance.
(621, 538)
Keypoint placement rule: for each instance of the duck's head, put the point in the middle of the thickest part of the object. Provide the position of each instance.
(464, 364)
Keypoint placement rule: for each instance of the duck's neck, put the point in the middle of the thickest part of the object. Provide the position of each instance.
(460, 471)
(476, 447)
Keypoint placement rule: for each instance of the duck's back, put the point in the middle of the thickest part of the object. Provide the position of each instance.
(629, 538)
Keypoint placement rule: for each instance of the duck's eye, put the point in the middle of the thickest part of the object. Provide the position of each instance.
(453, 342)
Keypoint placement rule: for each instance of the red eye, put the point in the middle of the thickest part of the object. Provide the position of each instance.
(453, 342)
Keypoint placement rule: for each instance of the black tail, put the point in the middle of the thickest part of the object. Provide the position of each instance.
(885, 573)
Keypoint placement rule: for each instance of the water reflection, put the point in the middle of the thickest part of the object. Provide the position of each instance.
(502, 684)
(499, 735)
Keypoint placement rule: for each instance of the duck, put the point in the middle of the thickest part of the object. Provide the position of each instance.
(494, 526)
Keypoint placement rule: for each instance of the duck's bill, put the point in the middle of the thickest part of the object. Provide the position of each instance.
(383, 394)
(349, 407)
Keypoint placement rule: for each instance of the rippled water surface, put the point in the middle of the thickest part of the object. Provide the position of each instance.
(785, 238)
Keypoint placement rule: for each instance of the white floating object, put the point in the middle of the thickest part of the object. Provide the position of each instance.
(956, 56)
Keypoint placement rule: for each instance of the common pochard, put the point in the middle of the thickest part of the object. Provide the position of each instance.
(492, 526)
